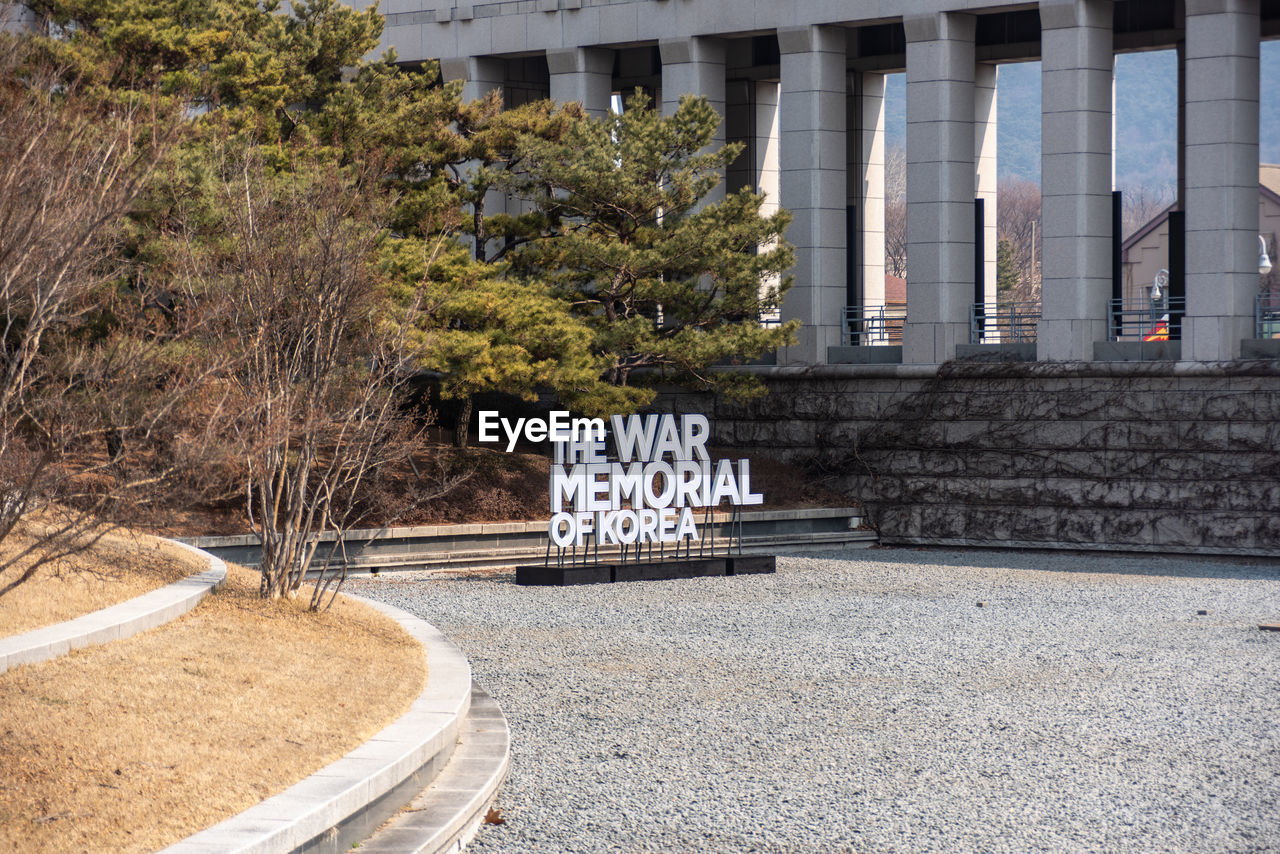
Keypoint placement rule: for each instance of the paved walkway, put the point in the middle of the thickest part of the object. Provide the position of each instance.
(865, 702)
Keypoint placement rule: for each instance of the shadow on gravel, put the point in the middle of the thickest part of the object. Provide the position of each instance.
(1114, 563)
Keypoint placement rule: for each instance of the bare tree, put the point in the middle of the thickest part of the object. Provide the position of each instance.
(1018, 221)
(71, 168)
(895, 211)
(318, 380)
(1140, 204)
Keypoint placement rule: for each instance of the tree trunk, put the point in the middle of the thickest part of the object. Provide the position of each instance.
(114, 440)
(478, 223)
(460, 426)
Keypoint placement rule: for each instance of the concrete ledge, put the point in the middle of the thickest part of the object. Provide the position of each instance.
(1018, 370)
(1260, 348)
(507, 558)
(1059, 545)
(498, 528)
(866, 354)
(119, 621)
(1137, 351)
(334, 807)
(447, 814)
(507, 544)
(1022, 351)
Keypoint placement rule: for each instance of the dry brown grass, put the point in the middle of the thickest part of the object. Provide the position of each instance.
(136, 744)
(119, 566)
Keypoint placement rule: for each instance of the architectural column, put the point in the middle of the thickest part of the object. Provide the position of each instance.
(984, 173)
(480, 74)
(15, 18)
(1221, 201)
(812, 154)
(940, 185)
(1075, 76)
(695, 66)
(766, 163)
(584, 75)
(866, 188)
(766, 166)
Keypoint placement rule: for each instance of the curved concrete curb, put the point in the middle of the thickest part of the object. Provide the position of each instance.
(119, 621)
(343, 802)
(447, 814)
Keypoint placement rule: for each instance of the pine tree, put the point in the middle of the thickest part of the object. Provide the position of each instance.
(618, 266)
(485, 332)
(1006, 270)
(669, 285)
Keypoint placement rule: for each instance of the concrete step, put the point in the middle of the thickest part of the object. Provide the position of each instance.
(346, 800)
(446, 814)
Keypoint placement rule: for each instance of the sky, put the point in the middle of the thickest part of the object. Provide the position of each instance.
(1146, 116)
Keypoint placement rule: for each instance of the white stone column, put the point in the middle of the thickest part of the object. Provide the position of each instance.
(812, 153)
(940, 185)
(767, 167)
(584, 75)
(1221, 177)
(1114, 187)
(1076, 75)
(984, 175)
(695, 66)
(866, 161)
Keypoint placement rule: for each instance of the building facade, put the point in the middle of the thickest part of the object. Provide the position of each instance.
(801, 82)
(1146, 251)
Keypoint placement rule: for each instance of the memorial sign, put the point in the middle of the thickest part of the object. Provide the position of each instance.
(630, 489)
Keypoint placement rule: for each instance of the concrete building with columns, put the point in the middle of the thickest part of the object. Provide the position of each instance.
(802, 82)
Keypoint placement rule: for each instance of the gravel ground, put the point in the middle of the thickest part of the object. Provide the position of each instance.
(862, 701)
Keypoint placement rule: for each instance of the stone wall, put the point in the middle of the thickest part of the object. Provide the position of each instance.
(1154, 456)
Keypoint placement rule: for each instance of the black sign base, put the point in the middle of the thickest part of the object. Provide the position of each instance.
(562, 576)
(752, 564)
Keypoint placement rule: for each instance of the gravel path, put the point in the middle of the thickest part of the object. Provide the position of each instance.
(864, 702)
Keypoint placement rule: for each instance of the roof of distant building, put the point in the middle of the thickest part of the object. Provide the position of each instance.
(895, 289)
(1268, 186)
(1269, 176)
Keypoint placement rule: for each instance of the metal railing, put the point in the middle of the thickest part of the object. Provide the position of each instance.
(873, 325)
(1003, 323)
(1266, 315)
(1146, 320)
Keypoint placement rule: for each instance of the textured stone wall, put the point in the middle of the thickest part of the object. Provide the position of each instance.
(1133, 456)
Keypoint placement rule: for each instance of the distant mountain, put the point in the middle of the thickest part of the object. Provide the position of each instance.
(1146, 117)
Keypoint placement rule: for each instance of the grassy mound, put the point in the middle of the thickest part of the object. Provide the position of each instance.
(136, 744)
(121, 566)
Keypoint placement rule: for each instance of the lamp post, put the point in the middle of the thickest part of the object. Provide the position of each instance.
(1265, 313)
(1160, 294)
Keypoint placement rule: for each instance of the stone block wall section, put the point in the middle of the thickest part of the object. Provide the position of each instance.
(1158, 457)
